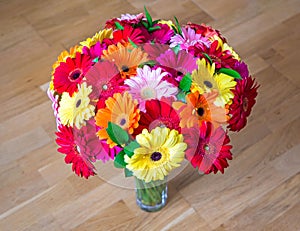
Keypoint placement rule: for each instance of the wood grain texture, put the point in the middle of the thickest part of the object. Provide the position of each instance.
(259, 191)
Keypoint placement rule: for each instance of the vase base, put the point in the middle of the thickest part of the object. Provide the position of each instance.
(154, 208)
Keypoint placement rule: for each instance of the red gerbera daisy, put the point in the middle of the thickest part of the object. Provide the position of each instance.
(80, 164)
(206, 31)
(219, 57)
(158, 113)
(70, 73)
(244, 98)
(136, 35)
(105, 79)
(212, 151)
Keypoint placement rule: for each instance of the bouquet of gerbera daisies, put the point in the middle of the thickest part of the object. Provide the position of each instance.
(147, 94)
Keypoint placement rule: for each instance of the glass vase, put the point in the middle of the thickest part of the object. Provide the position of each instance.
(151, 196)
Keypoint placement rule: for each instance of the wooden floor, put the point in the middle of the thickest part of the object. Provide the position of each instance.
(260, 190)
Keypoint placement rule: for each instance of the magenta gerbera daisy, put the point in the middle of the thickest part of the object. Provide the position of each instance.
(81, 165)
(245, 93)
(162, 35)
(159, 113)
(94, 51)
(212, 151)
(149, 84)
(70, 73)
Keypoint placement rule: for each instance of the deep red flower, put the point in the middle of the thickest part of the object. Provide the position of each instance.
(105, 79)
(219, 57)
(244, 98)
(158, 113)
(211, 152)
(81, 165)
(70, 73)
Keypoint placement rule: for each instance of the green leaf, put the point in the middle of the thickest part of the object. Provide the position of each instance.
(128, 173)
(230, 72)
(207, 56)
(156, 21)
(181, 97)
(119, 26)
(119, 161)
(151, 29)
(148, 16)
(117, 134)
(129, 149)
(186, 82)
(145, 24)
(149, 63)
(176, 49)
(132, 43)
(178, 26)
(96, 60)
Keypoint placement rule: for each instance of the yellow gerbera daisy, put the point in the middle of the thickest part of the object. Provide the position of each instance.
(160, 151)
(120, 109)
(169, 23)
(76, 110)
(98, 37)
(205, 80)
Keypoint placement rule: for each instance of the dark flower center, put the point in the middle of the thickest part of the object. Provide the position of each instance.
(245, 104)
(74, 75)
(125, 68)
(78, 103)
(200, 111)
(122, 122)
(156, 156)
(179, 73)
(208, 84)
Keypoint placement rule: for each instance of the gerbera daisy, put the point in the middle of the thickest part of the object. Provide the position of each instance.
(105, 80)
(177, 64)
(154, 50)
(149, 84)
(132, 18)
(98, 37)
(206, 80)
(188, 38)
(81, 165)
(242, 69)
(120, 109)
(126, 58)
(158, 114)
(77, 109)
(70, 73)
(243, 101)
(160, 151)
(221, 58)
(212, 151)
(206, 31)
(162, 35)
(199, 108)
(128, 33)
(94, 51)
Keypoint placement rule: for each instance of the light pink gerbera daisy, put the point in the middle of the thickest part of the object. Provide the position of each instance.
(188, 38)
(149, 84)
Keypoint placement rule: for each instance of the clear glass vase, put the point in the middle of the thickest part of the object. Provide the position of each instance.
(151, 196)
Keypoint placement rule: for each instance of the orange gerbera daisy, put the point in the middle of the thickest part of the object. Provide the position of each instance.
(201, 108)
(120, 109)
(126, 57)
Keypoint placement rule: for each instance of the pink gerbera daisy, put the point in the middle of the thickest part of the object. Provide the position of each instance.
(245, 93)
(162, 35)
(105, 79)
(95, 50)
(212, 151)
(149, 84)
(177, 64)
(188, 38)
(70, 73)
(81, 165)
